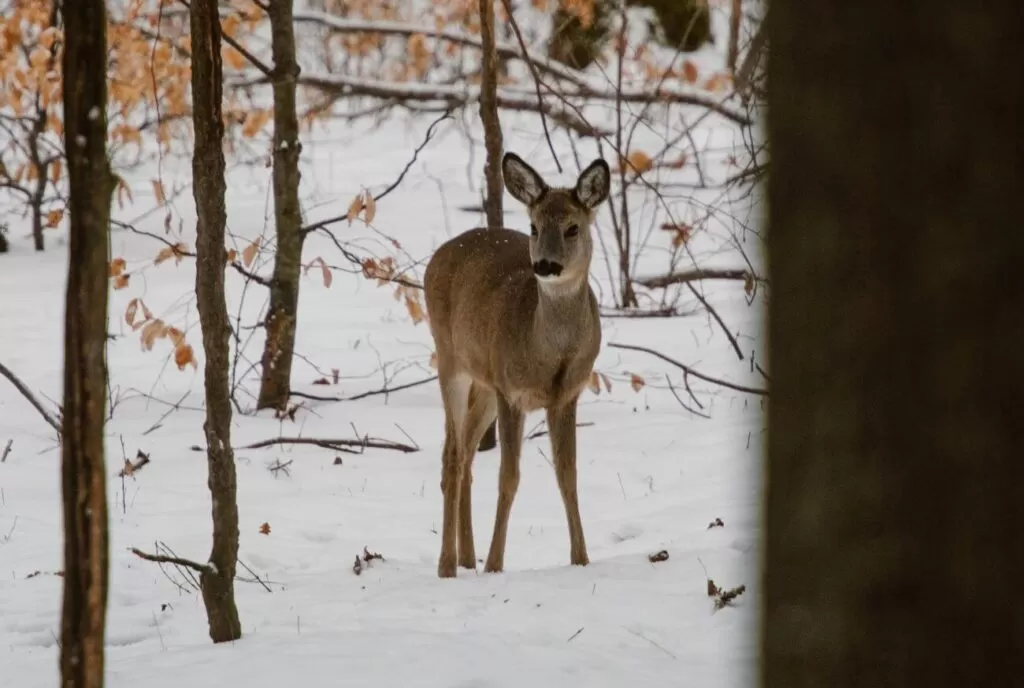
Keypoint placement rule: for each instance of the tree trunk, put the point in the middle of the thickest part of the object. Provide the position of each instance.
(895, 492)
(83, 475)
(208, 190)
(279, 348)
(495, 187)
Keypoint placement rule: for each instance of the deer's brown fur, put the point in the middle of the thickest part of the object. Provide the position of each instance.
(516, 329)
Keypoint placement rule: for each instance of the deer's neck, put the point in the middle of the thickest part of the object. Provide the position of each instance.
(563, 313)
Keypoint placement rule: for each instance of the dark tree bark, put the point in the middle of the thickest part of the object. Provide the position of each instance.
(495, 188)
(208, 189)
(83, 475)
(279, 348)
(895, 493)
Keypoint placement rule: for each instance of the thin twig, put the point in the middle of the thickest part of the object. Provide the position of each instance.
(692, 371)
(363, 395)
(27, 393)
(365, 443)
(536, 80)
(322, 224)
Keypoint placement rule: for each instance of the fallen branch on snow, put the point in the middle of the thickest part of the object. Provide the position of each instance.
(342, 445)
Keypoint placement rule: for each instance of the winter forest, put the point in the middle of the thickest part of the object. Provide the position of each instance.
(489, 343)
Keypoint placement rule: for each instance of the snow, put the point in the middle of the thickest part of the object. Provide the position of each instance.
(652, 476)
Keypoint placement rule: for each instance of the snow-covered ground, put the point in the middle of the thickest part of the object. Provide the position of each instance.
(652, 475)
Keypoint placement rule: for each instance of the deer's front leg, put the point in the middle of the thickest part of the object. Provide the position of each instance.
(510, 436)
(562, 427)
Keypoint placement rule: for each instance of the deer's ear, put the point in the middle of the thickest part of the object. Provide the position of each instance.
(525, 185)
(594, 184)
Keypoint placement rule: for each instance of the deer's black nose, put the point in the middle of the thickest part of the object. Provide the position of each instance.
(547, 268)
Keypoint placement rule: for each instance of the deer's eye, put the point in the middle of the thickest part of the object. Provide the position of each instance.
(572, 231)
(533, 230)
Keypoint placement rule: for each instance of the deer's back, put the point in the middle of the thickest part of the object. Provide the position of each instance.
(475, 283)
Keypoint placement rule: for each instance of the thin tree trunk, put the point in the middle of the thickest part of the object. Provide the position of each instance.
(208, 190)
(735, 18)
(895, 492)
(83, 475)
(279, 348)
(493, 201)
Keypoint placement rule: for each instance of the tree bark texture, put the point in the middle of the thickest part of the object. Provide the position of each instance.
(495, 187)
(895, 497)
(279, 348)
(83, 475)
(208, 190)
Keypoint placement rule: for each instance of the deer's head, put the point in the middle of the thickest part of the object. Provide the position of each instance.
(560, 218)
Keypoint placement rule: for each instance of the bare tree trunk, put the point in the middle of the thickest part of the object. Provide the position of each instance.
(493, 202)
(895, 471)
(279, 348)
(208, 190)
(83, 475)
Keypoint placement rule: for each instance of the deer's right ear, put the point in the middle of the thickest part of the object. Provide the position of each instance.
(525, 185)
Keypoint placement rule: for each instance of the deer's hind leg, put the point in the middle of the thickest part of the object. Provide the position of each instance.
(455, 388)
(480, 414)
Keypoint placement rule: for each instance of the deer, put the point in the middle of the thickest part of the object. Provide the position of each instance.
(516, 329)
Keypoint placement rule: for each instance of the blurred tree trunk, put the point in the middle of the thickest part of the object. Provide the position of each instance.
(493, 201)
(208, 189)
(682, 24)
(83, 474)
(578, 43)
(895, 493)
(282, 315)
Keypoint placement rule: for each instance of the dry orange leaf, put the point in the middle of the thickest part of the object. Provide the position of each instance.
(54, 217)
(176, 336)
(371, 209)
(690, 73)
(636, 382)
(117, 266)
(183, 356)
(232, 255)
(250, 251)
(121, 281)
(265, 528)
(151, 332)
(594, 383)
(131, 311)
(158, 191)
(355, 207)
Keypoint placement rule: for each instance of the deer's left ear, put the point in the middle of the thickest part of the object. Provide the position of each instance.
(594, 184)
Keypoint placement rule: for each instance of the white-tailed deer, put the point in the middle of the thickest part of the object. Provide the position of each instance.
(516, 328)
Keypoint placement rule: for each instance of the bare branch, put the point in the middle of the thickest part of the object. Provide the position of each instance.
(363, 395)
(177, 561)
(696, 275)
(27, 393)
(333, 444)
(692, 371)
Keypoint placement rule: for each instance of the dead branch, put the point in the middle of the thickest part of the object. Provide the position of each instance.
(27, 393)
(6, 451)
(363, 395)
(177, 561)
(691, 371)
(333, 444)
(536, 79)
(697, 275)
(322, 224)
